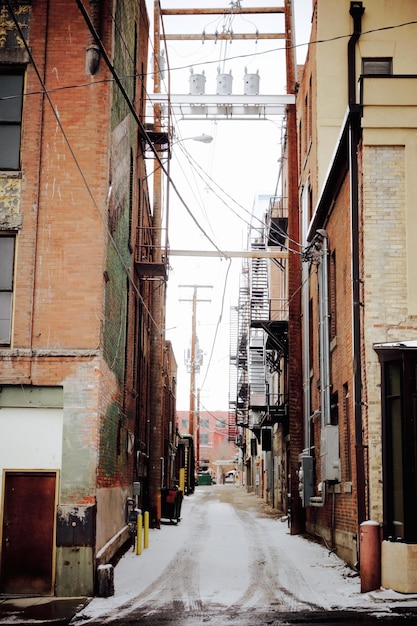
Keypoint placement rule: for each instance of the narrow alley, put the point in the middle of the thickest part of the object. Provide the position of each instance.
(232, 560)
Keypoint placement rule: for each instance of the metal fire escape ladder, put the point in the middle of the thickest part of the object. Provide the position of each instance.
(242, 351)
(233, 373)
(259, 313)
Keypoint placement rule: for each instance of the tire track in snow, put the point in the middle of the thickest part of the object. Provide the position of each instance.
(275, 579)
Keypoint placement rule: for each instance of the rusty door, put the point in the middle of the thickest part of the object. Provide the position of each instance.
(28, 533)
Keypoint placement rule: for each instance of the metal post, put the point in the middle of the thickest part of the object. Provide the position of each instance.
(146, 529)
(139, 535)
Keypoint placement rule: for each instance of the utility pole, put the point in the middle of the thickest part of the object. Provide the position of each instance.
(197, 448)
(194, 364)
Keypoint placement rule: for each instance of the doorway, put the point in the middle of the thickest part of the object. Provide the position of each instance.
(28, 533)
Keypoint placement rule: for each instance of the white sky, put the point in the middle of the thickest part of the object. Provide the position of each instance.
(219, 189)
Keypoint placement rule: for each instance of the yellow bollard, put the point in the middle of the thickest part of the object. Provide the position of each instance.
(139, 535)
(146, 529)
(181, 485)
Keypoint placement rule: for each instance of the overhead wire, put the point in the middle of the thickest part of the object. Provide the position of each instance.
(142, 131)
(218, 323)
(195, 190)
(203, 174)
(300, 45)
(91, 84)
(229, 265)
(225, 282)
(117, 80)
(252, 216)
(78, 165)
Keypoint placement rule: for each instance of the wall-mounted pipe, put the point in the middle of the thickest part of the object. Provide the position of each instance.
(92, 58)
(321, 238)
(356, 11)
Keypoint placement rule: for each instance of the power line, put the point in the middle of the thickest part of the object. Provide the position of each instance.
(282, 49)
(203, 174)
(77, 163)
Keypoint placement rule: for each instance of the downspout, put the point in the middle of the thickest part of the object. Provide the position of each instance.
(305, 298)
(324, 328)
(356, 11)
(92, 59)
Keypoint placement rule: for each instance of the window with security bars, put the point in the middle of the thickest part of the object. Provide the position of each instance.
(11, 97)
(7, 248)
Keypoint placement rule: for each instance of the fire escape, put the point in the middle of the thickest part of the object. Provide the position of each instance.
(259, 331)
(151, 259)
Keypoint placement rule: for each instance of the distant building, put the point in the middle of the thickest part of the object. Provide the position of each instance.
(214, 444)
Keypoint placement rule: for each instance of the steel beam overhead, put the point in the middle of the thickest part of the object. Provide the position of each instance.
(239, 254)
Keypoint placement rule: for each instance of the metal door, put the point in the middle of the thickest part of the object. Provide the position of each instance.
(28, 533)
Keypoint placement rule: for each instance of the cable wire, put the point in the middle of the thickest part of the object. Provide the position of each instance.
(79, 168)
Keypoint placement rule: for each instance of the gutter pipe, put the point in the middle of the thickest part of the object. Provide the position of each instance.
(356, 11)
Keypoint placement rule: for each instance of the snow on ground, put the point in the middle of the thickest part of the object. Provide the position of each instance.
(333, 584)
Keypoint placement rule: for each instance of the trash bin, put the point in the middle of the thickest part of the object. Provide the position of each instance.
(171, 500)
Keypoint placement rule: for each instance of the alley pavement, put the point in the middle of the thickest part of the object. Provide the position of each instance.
(174, 541)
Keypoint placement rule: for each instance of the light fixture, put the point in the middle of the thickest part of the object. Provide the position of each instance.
(203, 138)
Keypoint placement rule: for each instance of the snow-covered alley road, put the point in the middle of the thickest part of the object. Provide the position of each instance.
(231, 555)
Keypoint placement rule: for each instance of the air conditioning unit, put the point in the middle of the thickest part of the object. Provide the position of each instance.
(330, 458)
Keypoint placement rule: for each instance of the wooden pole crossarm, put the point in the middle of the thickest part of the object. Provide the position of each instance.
(223, 36)
(214, 11)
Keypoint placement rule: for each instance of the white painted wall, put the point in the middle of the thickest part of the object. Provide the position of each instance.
(30, 439)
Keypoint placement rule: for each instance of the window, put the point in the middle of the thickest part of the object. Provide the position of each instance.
(221, 423)
(184, 424)
(334, 408)
(204, 423)
(377, 66)
(11, 91)
(399, 415)
(346, 412)
(7, 246)
(204, 439)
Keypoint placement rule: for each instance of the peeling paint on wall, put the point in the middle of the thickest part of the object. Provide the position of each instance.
(76, 525)
(10, 192)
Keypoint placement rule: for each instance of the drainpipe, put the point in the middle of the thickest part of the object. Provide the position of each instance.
(92, 59)
(305, 297)
(356, 11)
(324, 328)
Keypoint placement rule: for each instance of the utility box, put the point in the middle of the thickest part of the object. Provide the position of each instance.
(306, 479)
(330, 458)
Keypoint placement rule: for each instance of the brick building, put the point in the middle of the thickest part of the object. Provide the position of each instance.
(214, 444)
(356, 127)
(77, 331)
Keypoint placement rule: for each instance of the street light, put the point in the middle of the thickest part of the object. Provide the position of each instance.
(201, 138)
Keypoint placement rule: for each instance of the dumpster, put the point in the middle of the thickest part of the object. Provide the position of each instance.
(171, 500)
(204, 479)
